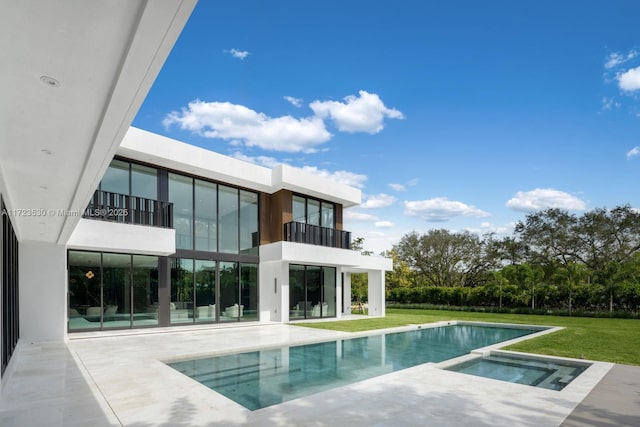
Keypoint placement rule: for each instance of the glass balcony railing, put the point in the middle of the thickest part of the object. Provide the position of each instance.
(315, 235)
(107, 206)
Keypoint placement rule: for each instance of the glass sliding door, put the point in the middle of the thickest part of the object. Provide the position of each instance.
(116, 178)
(297, 296)
(249, 223)
(181, 305)
(230, 307)
(312, 291)
(85, 290)
(249, 291)
(205, 275)
(116, 291)
(145, 290)
(328, 292)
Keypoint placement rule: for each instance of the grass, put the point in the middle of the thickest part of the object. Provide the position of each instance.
(608, 340)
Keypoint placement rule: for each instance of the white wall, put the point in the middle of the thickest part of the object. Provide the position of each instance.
(346, 292)
(43, 291)
(376, 295)
(94, 235)
(271, 302)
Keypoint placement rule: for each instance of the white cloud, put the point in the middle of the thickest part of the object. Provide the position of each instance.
(543, 198)
(365, 113)
(237, 123)
(635, 151)
(344, 177)
(629, 80)
(440, 209)
(239, 54)
(296, 102)
(398, 187)
(358, 216)
(616, 58)
(609, 103)
(384, 224)
(378, 201)
(487, 227)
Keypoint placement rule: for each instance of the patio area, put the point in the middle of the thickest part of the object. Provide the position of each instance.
(119, 379)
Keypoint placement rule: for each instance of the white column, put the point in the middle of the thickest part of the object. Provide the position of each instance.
(346, 292)
(376, 292)
(43, 291)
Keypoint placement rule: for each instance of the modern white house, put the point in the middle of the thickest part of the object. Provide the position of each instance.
(105, 226)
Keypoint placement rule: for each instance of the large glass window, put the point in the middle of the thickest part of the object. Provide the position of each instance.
(181, 195)
(313, 212)
(312, 291)
(249, 291)
(206, 216)
(205, 291)
(248, 222)
(145, 290)
(108, 290)
(228, 215)
(181, 305)
(144, 182)
(230, 307)
(116, 178)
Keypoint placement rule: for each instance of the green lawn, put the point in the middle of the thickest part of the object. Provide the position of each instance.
(609, 340)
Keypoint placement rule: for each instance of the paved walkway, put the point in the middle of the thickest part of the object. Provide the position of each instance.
(120, 380)
(614, 402)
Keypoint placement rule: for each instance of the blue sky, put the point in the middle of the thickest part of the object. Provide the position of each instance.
(463, 115)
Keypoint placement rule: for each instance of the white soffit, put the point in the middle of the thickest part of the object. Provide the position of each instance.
(74, 75)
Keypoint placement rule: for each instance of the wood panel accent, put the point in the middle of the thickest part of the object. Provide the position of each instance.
(275, 211)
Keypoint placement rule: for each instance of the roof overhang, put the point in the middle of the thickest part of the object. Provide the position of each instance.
(75, 75)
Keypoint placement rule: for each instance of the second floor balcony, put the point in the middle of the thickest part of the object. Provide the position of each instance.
(315, 235)
(107, 206)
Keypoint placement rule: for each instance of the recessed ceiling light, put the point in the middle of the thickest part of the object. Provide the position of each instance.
(47, 152)
(49, 81)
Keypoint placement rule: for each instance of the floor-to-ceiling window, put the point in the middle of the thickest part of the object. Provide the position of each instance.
(208, 291)
(9, 287)
(109, 290)
(312, 291)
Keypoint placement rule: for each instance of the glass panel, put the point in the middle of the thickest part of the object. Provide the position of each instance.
(248, 223)
(249, 290)
(116, 290)
(145, 290)
(328, 292)
(299, 211)
(314, 291)
(297, 300)
(205, 216)
(116, 178)
(181, 195)
(313, 212)
(327, 217)
(205, 291)
(230, 308)
(84, 290)
(144, 182)
(181, 305)
(228, 211)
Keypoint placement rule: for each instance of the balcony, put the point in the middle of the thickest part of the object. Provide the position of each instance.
(114, 207)
(315, 235)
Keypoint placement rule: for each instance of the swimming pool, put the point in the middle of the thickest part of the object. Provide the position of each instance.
(262, 378)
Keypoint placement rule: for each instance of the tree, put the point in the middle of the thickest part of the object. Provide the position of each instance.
(443, 258)
(401, 276)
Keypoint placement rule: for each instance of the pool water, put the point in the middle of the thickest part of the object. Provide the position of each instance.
(263, 378)
(544, 373)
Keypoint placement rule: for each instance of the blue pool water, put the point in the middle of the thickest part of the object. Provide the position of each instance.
(258, 379)
(551, 374)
